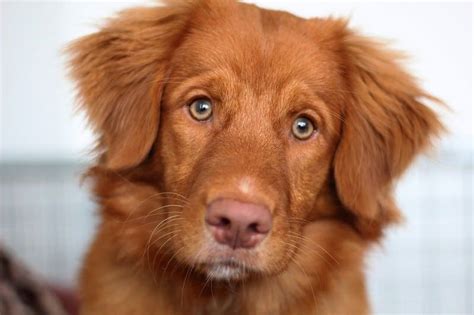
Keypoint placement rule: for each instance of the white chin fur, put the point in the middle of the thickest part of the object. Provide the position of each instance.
(224, 272)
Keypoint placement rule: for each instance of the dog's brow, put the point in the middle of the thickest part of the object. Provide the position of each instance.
(204, 81)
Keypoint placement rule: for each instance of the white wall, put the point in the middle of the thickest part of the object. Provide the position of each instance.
(426, 265)
(38, 119)
(37, 116)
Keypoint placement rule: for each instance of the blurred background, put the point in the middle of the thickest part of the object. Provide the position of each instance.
(47, 217)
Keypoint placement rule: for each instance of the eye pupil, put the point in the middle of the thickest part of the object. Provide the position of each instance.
(202, 106)
(302, 125)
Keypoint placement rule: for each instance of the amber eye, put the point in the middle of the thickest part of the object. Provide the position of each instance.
(302, 128)
(201, 109)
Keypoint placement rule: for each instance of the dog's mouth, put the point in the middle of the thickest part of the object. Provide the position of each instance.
(226, 269)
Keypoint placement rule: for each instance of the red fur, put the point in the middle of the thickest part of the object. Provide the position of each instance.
(157, 169)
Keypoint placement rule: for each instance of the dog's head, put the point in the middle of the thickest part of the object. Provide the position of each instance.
(224, 129)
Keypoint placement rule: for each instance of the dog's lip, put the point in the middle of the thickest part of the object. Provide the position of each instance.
(230, 263)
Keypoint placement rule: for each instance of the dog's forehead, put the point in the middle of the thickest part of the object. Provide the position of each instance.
(260, 47)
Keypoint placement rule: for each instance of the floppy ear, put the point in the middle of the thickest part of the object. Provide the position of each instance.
(119, 73)
(386, 124)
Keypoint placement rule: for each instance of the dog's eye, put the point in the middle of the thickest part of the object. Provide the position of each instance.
(201, 109)
(302, 128)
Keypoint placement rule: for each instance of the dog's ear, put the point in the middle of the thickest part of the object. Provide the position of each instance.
(119, 73)
(386, 124)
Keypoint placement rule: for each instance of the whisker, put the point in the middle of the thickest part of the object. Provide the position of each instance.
(147, 247)
(154, 221)
(301, 243)
(154, 212)
(165, 207)
(309, 280)
(208, 278)
(181, 197)
(166, 234)
(170, 259)
(163, 272)
(293, 259)
(312, 242)
(190, 269)
(160, 194)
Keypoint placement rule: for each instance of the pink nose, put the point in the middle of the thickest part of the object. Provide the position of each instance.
(238, 224)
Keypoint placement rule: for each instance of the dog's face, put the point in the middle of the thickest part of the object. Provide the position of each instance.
(246, 118)
(251, 124)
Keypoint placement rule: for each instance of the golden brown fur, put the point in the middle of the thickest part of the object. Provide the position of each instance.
(330, 196)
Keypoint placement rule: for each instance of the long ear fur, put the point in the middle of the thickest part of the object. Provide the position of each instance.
(119, 71)
(386, 124)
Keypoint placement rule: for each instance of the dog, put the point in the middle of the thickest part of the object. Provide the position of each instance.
(246, 159)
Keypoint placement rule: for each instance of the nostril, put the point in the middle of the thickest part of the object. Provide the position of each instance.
(219, 221)
(258, 228)
(224, 222)
(253, 228)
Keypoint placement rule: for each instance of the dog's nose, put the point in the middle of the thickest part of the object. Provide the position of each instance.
(238, 224)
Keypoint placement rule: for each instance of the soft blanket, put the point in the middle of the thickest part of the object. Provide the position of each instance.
(24, 293)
